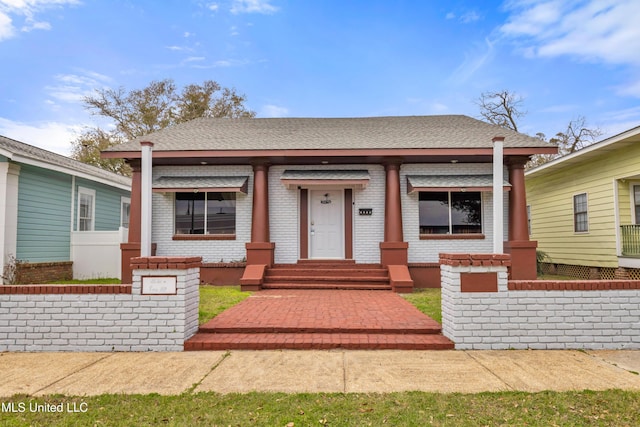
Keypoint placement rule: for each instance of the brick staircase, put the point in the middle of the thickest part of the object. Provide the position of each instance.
(327, 274)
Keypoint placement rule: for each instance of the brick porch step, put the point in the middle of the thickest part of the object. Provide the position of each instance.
(331, 285)
(424, 329)
(327, 274)
(317, 341)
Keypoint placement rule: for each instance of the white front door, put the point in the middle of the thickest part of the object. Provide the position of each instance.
(326, 229)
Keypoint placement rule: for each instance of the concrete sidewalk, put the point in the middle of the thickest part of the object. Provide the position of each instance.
(293, 371)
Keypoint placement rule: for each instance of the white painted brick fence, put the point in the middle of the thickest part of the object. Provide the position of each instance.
(534, 314)
(103, 317)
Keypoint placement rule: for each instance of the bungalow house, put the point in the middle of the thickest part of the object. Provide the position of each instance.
(58, 216)
(331, 201)
(585, 209)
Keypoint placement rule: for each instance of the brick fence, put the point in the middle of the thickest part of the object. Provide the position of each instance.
(482, 309)
(43, 272)
(157, 312)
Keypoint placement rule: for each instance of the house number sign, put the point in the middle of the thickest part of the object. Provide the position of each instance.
(159, 285)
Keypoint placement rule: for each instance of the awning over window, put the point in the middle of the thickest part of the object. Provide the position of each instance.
(184, 184)
(451, 183)
(306, 178)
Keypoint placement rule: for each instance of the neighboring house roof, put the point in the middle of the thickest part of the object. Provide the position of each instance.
(367, 133)
(621, 140)
(28, 154)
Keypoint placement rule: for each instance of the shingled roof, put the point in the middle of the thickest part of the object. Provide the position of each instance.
(21, 152)
(406, 132)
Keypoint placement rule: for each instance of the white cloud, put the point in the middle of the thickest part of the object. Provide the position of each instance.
(469, 17)
(52, 136)
(253, 6)
(6, 27)
(213, 7)
(473, 62)
(74, 87)
(594, 30)
(26, 11)
(270, 110)
(629, 89)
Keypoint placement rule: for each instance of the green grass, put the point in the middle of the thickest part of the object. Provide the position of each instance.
(586, 408)
(427, 301)
(215, 299)
(107, 281)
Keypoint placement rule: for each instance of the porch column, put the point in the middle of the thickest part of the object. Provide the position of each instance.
(498, 195)
(146, 215)
(260, 250)
(131, 249)
(393, 251)
(522, 250)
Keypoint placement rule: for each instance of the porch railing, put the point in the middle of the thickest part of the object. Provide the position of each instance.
(630, 240)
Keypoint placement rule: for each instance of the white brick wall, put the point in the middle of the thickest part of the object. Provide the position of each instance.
(428, 250)
(103, 322)
(537, 319)
(284, 215)
(209, 250)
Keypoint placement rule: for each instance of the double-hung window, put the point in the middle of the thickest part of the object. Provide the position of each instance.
(86, 209)
(205, 213)
(580, 213)
(636, 199)
(125, 211)
(450, 212)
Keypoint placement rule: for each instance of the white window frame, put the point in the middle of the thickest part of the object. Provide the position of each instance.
(632, 196)
(573, 209)
(123, 201)
(92, 193)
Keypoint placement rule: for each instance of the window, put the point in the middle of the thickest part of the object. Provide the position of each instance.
(125, 211)
(205, 213)
(580, 217)
(636, 198)
(450, 213)
(86, 209)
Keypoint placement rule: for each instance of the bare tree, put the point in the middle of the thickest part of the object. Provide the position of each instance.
(143, 111)
(503, 108)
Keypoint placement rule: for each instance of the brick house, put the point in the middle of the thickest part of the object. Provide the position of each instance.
(375, 199)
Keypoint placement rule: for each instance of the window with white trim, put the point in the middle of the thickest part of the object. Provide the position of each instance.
(205, 213)
(450, 212)
(580, 213)
(636, 198)
(125, 211)
(86, 209)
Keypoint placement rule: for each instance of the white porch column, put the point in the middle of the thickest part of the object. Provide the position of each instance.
(498, 195)
(9, 174)
(146, 195)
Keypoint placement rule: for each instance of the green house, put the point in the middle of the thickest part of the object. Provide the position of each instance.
(584, 209)
(58, 216)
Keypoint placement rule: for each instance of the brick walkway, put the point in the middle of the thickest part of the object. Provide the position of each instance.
(320, 319)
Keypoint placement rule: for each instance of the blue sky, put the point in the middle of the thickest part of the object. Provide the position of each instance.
(323, 58)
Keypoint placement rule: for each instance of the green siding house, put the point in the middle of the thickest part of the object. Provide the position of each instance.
(585, 209)
(55, 213)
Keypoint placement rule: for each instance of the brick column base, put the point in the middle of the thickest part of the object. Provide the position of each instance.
(260, 253)
(523, 259)
(394, 253)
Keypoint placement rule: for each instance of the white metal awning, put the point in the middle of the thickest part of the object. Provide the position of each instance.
(451, 183)
(310, 178)
(184, 184)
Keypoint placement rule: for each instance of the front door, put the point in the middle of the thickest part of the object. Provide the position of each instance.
(326, 229)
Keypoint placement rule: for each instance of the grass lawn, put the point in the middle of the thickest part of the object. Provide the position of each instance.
(215, 299)
(603, 408)
(427, 301)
